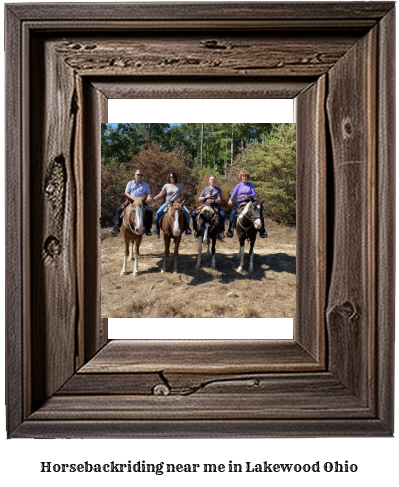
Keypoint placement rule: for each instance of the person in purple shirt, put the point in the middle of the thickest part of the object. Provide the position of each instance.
(244, 191)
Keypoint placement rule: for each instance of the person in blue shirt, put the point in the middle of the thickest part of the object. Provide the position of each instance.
(244, 191)
(137, 188)
(211, 195)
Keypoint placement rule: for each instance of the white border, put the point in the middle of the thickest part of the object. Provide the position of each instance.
(201, 111)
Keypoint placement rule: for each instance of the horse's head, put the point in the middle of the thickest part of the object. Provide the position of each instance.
(136, 217)
(175, 214)
(253, 211)
(207, 221)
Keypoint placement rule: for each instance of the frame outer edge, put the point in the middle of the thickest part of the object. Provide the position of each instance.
(302, 11)
(15, 245)
(385, 314)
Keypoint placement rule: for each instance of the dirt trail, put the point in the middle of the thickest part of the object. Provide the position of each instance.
(268, 292)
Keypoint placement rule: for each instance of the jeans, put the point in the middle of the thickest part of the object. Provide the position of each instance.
(160, 211)
(147, 218)
(234, 211)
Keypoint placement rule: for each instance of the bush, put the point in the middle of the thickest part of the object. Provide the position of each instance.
(272, 166)
(114, 177)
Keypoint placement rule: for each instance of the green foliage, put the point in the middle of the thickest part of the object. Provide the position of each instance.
(267, 151)
(114, 178)
(122, 142)
(272, 166)
(203, 182)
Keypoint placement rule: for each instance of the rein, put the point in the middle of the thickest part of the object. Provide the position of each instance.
(248, 218)
(242, 226)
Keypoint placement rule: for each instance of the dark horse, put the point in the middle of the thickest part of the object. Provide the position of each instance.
(132, 230)
(208, 227)
(173, 226)
(247, 225)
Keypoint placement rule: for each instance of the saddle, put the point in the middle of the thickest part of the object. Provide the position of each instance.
(240, 209)
(198, 210)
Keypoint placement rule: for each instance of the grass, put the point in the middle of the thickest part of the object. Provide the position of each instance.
(268, 292)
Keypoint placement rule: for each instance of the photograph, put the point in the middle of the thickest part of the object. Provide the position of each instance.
(198, 220)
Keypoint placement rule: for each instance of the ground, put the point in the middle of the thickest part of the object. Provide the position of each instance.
(268, 292)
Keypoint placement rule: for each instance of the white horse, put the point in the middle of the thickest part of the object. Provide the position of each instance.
(132, 230)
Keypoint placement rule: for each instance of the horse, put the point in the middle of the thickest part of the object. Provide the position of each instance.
(132, 230)
(172, 225)
(208, 227)
(247, 225)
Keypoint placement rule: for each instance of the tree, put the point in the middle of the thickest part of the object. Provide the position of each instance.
(272, 165)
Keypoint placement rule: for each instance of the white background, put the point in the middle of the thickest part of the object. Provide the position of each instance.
(20, 459)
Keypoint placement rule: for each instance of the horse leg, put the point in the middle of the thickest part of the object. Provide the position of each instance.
(166, 240)
(124, 266)
(131, 251)
(242, 253)
(199, 252)
(136, 256)
(251, 255)
(176, 253)
(213, 252)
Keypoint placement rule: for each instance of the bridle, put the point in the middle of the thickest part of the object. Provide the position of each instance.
(248, 217)
(132, 210)
(170, 214)
(213, 217)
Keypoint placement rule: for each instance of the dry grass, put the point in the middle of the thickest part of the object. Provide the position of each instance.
(268, 292)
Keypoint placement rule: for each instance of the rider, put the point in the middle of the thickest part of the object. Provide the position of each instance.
(244, 191)
(137, 188)
(211, 195)
(174, 193)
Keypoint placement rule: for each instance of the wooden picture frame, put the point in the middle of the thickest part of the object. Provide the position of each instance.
(335, 378)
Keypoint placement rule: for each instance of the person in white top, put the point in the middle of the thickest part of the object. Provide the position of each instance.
(173, 191)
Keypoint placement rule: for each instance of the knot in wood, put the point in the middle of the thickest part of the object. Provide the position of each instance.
(51, 248)
(213, 44)
(161, 390)
(347, 128)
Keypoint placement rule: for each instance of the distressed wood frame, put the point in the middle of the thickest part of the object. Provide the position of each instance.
(64, 378)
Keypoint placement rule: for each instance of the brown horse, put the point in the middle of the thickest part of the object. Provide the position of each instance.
(172, 227)
(132, 230)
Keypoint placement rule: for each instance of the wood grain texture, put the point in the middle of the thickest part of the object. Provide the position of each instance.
(16, 250)
(175, 87)
(53, 209)
(278, 11)
(351, 306)
(191, 428)
(200, 356)
(311, 218)
(385, 224)
(244, 54)
(319, 384)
